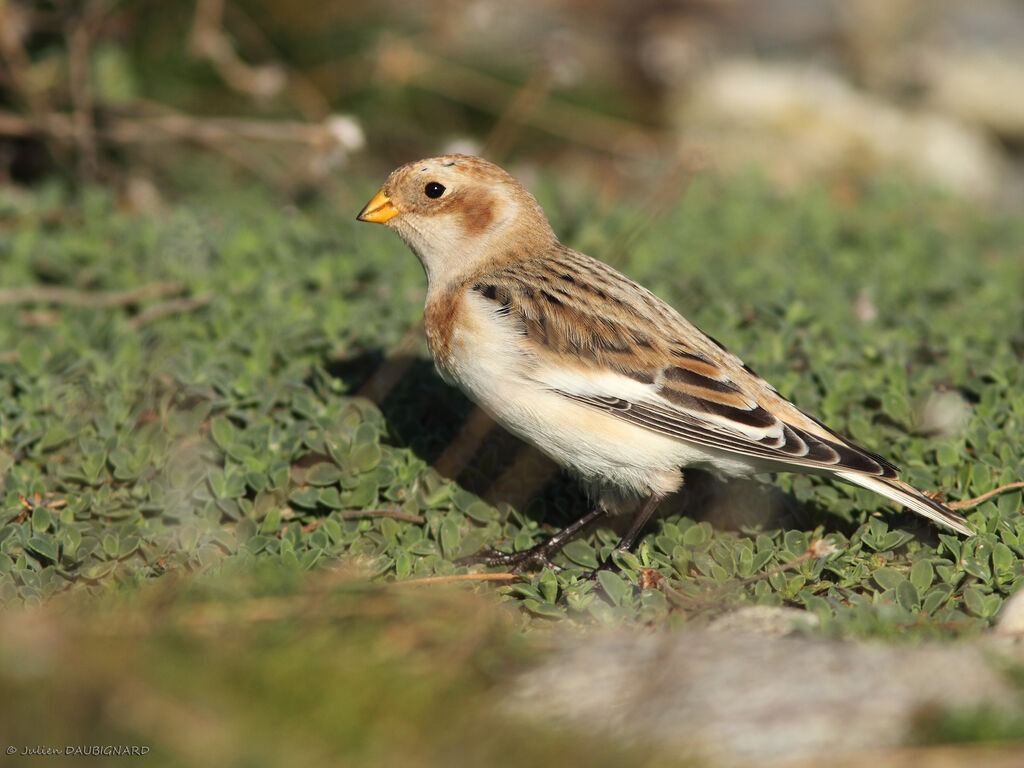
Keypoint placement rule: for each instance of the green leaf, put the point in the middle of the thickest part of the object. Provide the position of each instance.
(906, 595)
(304, 497)
(271, 522)
(56, 435)
(761, 559)
(41, 519)
(45, 546)
(744, 565)
(951, 543)
(323, 473)
(627, 561)
(977, 568)
(877, 527)
(362, 496)
(450, 536)
(581, 553)
(974, 601)
(936, 597)
(365, 457)
(546, 610)
(547, 584)
(223, 433)
(403, 564)
(330, 498)
(793, 587)
(795, 542)
(127, 545)
(892, 540)
(921, 575)
(480, 511)
(696, 535)
(889, 578)
(111, 545)
(1003, 561)
(617, 588)
(390, 531)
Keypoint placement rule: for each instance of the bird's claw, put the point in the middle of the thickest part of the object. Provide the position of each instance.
(533, 559)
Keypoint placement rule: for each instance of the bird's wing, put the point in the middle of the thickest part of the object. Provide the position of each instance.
(599, 339)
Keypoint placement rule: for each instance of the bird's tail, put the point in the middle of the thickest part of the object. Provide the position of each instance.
(911, 498)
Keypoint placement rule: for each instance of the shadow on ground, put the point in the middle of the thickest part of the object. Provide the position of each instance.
(451, 434)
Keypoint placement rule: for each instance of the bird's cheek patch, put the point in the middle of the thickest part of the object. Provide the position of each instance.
(477, 213)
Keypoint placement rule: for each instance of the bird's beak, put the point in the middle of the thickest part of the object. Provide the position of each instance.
(378, 210)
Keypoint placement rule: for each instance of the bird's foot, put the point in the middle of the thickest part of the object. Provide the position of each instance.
(533, 559)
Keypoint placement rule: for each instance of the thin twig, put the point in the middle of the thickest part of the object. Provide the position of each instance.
(978, 499)
(18, 63)
(306, 96)
(172, 127)
(79, 41)
(459, 577)
(173, 306)
(48, 294)
(209, 41)
(400, 61)
(662, 199)
(511, 121)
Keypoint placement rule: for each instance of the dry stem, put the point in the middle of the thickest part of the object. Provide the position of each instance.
(48, 294)
(459, 577)
(985, 496)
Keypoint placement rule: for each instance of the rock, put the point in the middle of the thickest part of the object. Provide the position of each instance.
(730, 698)
(1011, 617)
(798, 120)
(764, 620)
(982, 87)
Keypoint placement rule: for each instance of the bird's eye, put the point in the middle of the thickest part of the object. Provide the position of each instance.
(433, 190)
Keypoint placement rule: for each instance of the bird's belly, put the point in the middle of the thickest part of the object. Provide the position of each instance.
(602, 449)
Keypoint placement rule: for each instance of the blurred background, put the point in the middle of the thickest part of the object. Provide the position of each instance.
(302, 95)
(179, 364)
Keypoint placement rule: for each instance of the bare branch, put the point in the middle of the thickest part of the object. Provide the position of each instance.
(174, 306)
(79, 41)
(400, 61)
(209, 41)
(459, 577)
(48, 294)
(174, 127)
(18, 62)
(984, 497)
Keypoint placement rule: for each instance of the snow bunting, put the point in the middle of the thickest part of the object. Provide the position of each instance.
(587, 365)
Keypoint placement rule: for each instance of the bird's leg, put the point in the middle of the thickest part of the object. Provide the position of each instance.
(538, 556)
(629, 538)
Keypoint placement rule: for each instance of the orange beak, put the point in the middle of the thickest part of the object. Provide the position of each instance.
(378, 210)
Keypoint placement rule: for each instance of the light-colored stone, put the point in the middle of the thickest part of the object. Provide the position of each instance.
(799, 121)
(765, 621)
(742, 699)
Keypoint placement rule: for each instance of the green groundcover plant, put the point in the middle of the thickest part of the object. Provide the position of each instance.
(234, 383)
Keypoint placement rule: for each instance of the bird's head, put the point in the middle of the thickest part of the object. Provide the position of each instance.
(459, 214)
